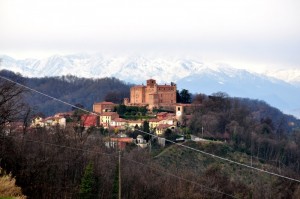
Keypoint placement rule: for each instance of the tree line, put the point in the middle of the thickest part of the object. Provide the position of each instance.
(71, 89)
(249, 126)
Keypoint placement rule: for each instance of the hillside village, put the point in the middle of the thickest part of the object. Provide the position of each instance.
(152, 108)
(64, 144)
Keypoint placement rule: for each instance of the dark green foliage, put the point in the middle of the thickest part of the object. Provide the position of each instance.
(146, 127)
(135, 111)
(159, 110)
(121, 109)
(178, 97)
(170, 135)
(115, 190)
(184, 96)
(88, 183)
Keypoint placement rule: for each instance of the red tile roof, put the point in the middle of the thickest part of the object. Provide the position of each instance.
(126, 139)
(161, 113)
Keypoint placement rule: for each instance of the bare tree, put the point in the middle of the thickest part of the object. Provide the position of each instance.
(11, 104)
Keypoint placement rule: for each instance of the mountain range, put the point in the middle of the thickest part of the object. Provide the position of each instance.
(279, 88)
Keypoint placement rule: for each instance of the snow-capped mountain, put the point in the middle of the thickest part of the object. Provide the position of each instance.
(241, 83)
(133, 68)
(289, 75)
(278, 88)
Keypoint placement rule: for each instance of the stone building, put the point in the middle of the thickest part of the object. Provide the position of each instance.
(107, 117)
(152, 94)
(101, 107)
(184, 111)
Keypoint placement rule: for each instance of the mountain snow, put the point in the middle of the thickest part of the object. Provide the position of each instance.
(132, 68)
(280, 88)
(289, 75)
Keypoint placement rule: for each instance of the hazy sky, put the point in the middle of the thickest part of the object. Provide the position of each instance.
(252, 33)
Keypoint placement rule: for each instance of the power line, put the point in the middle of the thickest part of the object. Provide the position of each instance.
(130, 160)
(186, 180)
(41, 93)
(225, 159)
(191, 148)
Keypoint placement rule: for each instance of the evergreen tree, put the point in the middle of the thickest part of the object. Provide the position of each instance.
(146, 128)
(88, 183)
(115, 192)
(185, 96)
(121, 109)
(178, 97)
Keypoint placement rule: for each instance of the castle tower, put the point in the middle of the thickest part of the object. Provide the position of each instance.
(126, 101)
(179, 111)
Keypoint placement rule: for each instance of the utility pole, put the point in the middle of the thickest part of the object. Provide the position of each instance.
(149, 143)
(119, 174)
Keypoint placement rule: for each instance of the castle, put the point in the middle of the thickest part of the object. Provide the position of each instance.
(152, 95)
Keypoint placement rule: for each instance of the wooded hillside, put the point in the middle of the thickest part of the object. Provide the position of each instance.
(71, 89)
(74, 162)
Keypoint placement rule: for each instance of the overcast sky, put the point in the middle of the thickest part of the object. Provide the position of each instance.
(252, 33)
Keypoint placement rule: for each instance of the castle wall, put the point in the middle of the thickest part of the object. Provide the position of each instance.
(153, 94)
(166, 94)
(137, 95)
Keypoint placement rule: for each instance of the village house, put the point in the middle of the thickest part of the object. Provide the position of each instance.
(102, 107)
(38, 122)
(107, 117)
(119, 123)
(49, 121)
(169, 122)
(141, 142)
(184, 111)
(55, 121)
(161, 129)
(135, 123)
(162, 115)
(64, 114)
(89, 120)
(153, 123)
(119, 142)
